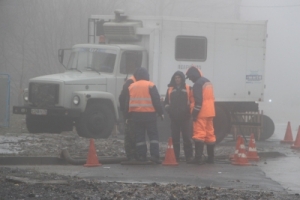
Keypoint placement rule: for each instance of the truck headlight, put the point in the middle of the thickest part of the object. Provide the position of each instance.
(25, 96)
(76, 100)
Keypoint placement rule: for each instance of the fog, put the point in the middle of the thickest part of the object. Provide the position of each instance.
(31, 32)
(282, 57)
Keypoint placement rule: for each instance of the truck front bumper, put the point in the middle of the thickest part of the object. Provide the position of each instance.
(57, 111)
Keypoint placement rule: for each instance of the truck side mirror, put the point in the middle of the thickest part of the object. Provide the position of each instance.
(61, 56)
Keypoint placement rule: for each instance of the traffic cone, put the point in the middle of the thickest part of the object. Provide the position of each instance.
(252, 152)
(288, 138)
(242, 157)
(170, 156)
(92, 160)
(296, 144)
(237, 146)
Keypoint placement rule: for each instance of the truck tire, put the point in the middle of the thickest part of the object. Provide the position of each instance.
(221, 124)
(268, 128)
(97, 121)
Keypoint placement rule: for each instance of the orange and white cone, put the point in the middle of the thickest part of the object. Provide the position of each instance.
(237, 146)
(242, 159)
(170, 155)
(92, 160)
(252, 152)
(296, 144)
(288, 137)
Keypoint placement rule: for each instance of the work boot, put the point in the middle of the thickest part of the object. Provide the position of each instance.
(155, 160)
(188, 155)
(188, 159)
(210, 153)
(198, 154)
(142, 159)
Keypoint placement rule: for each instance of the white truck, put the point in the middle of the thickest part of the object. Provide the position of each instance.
(231, 54)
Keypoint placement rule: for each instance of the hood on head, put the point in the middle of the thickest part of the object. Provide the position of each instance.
(141, 74)
(193, 73)
(177, 73)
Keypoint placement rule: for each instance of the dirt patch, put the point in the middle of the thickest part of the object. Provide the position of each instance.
(28, 184)
(18, 142)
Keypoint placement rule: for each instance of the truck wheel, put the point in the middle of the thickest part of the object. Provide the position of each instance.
(221, 124)
(268, 128)
(97, 121)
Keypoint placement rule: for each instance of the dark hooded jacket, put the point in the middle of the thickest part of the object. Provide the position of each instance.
(142, 74)
(178, 103)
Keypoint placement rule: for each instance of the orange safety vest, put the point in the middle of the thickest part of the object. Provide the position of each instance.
(140, 99)
(188, 92)
(208, 103)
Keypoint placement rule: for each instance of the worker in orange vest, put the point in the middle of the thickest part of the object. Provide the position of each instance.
(143, 107)
(177, 105)
(129, 137)
(203, 112)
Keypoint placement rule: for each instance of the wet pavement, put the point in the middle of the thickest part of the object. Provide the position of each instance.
(217, 175)
(284, 170)
(278, 171)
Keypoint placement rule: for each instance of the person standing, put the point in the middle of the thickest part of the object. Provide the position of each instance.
(129, 137)
(177, 105)
(203, 112)
(143, 106)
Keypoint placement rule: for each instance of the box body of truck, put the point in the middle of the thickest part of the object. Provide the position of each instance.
(231, 54)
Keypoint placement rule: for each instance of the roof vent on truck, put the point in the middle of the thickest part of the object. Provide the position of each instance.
(121, 29)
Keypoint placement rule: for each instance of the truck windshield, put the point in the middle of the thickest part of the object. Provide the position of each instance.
(95, 59)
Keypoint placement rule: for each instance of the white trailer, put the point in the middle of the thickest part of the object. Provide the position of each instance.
(231, 54)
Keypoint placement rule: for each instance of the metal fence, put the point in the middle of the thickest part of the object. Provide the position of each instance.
(4, 100)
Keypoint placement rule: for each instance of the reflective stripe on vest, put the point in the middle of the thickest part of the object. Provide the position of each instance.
(187, 90)
(140, 99)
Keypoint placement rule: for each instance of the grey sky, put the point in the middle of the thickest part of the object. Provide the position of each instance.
(283, 50)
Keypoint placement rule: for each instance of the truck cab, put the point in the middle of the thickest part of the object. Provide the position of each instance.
(85, 95)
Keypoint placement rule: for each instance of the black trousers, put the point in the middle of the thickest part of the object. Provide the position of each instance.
(183, 127)
(129, 139)
(141, 128)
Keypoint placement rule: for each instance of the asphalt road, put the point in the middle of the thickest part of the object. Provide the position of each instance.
(272, 174)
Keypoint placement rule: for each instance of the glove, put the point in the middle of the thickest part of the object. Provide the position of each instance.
(162, 117)
(195, 114)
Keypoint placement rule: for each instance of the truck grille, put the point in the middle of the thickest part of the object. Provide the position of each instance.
(43, 94)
